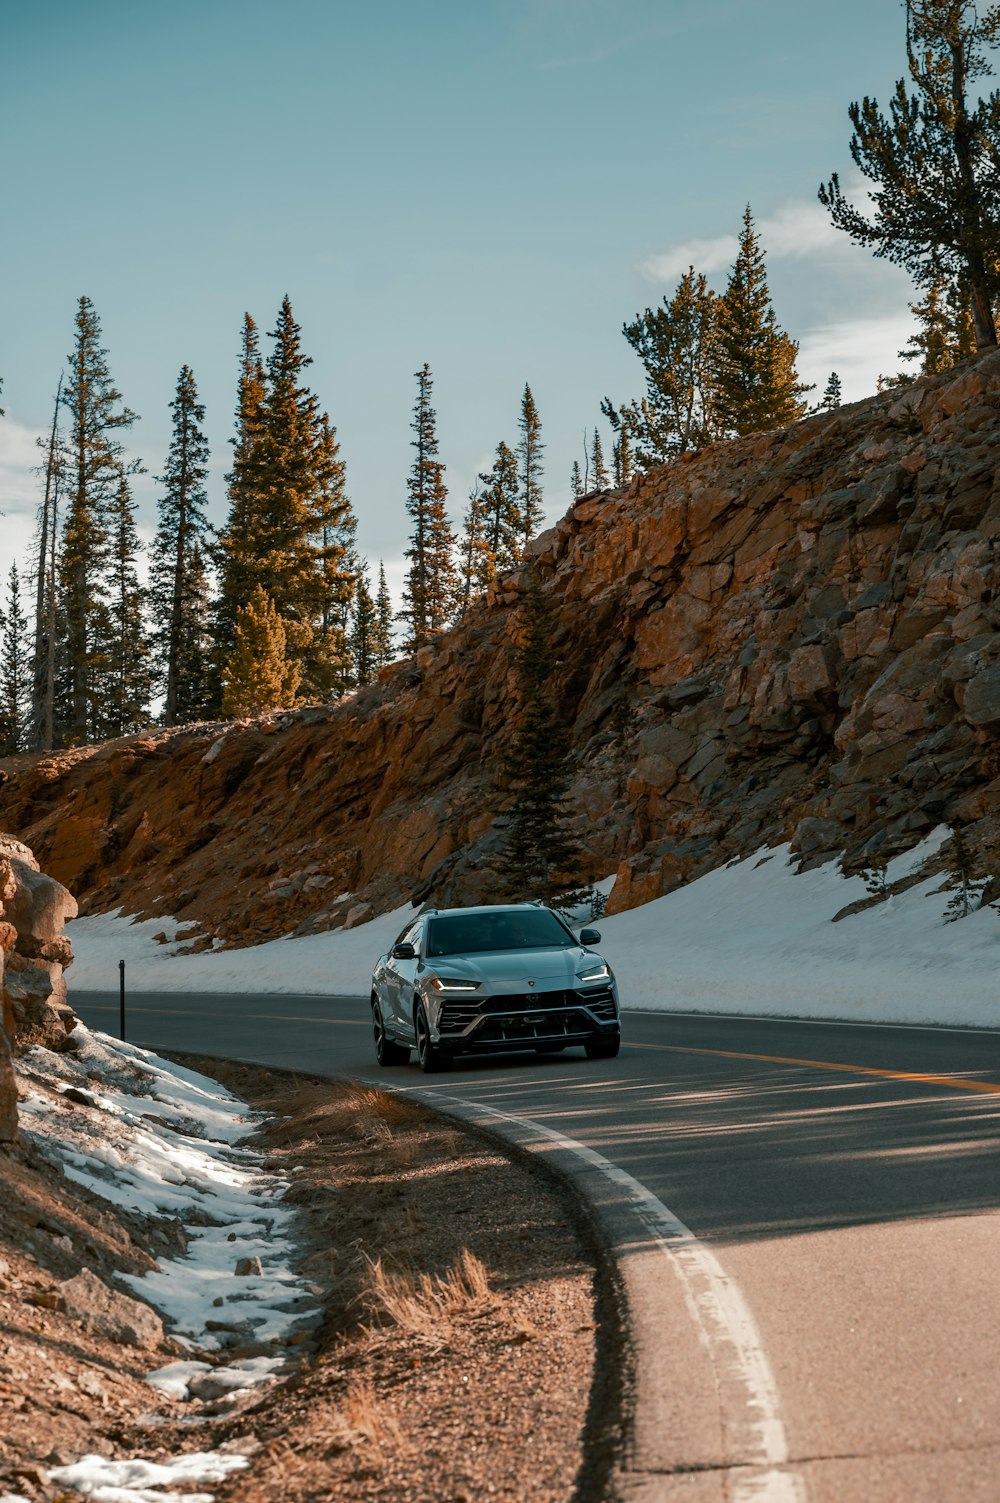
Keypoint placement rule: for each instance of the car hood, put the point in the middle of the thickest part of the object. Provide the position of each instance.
(517, 966)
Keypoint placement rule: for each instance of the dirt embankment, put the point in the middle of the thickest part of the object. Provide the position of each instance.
(792, 636)
(457, 1355)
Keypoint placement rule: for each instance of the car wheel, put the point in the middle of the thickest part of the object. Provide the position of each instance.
(387, 1051)
(603, 1048)
(428, 1057)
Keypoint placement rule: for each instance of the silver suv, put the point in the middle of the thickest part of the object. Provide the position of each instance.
(477, 980)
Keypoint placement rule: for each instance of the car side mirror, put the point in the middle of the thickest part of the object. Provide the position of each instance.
(403, 952)
(590, 936)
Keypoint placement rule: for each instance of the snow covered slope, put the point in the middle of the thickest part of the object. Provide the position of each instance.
(752, 937)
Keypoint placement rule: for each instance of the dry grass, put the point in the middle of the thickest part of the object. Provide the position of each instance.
(426, 1304)
(366, 1419)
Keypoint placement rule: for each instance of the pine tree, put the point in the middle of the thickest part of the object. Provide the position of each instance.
(364, 633)
(576, 480)
(529, 458)
(675, 343)
(15, 676)
(503, 516)
(832, 393)
(476, 568)
(754, 383)
(199, 687)
(237, 551)
(622, 426)
(259, 675)
(94, 468)
(385, 636)
(933, 159)
(46, 645)
(430, 590)
(174, 596)
(126, 679)
(964, 879)
(601, 477)
(290, 524)
(947, 331)
(540, 858)
(328, 664)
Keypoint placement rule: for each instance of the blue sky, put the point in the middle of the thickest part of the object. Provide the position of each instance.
(490, 187)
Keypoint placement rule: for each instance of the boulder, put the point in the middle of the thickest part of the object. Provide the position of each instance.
(8, 1085)
(981, 705)
(110, 1314)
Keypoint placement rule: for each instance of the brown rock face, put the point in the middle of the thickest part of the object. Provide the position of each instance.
(35, 952)
(806, 624)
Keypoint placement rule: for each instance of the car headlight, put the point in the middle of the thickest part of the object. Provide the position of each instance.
(452, 984)
(600, 972)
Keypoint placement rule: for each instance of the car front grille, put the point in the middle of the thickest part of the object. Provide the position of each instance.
(599, 1001)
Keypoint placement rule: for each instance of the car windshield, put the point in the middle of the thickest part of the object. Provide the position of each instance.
(513, 929)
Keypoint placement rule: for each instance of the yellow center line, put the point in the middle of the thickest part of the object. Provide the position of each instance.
(954, 1083)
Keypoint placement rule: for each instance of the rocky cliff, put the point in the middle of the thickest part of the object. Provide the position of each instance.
(34, 953)
(793, 636)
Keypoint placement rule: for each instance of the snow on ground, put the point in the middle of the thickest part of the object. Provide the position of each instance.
(166, 1142)
(138, 1481)
(752, 937)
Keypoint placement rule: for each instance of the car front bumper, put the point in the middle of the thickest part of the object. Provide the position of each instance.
(514, 1021)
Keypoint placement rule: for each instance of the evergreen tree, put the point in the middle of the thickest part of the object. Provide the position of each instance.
(540, 858)
(290, 523)
(431, 584)
(503, 517)
(965, 881)
(364, 633)
(176, 598)
(601, 478)
(94, 468)
(15, 676)
(46, 644)
(946, 333)
(529, 458)
(754, 382)
(199, 691)
(259, 675)
(126, 680)
(832, 393)
(675, 343)
(934, 159)
(385, 650)
(576, 479)
(477, 567)
(622, 426)
(237, 553)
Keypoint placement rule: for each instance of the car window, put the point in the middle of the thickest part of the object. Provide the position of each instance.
(410, 935)
(511, 929)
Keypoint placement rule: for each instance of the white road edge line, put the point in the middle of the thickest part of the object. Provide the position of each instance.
(723, 1318)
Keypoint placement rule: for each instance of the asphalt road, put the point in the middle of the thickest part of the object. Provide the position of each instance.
(837, 1193)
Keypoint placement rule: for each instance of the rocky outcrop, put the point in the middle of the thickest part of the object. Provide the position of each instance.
(794, 636)
(34, 953)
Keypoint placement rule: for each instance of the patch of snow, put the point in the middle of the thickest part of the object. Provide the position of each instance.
(139, 1481)
(168, 1141)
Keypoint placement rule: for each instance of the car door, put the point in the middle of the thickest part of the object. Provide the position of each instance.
(400, 976)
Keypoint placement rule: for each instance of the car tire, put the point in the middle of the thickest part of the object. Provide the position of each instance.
(603, 1048)
(387, 1051)
(429, 1057)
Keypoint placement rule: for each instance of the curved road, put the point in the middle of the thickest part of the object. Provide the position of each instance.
(828, 1195)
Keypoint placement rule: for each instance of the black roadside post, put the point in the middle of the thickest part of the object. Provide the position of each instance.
(121, 1000)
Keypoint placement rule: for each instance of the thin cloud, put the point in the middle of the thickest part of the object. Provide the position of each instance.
(859, 350)
(19, 458)
(796, 228)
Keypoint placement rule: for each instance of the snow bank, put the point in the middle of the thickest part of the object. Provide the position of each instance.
(138, 1481)
(752, 937)
(165, 1141)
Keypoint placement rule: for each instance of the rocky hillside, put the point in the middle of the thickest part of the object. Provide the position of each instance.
(793, 636)
(34, 953)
